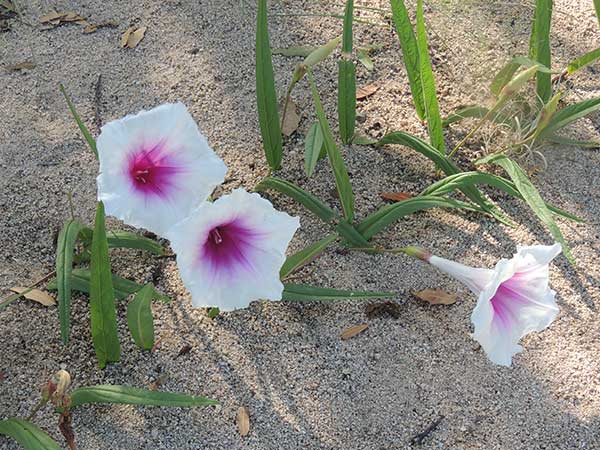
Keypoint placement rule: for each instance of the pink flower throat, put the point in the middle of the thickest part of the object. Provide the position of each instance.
(153, 171)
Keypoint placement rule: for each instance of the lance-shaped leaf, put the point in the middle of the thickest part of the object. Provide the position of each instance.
(570, 114)
(575, 142)
(597, 8)
(313, 146)
(347, 80)
(266, 96)
(540, 47)
(139, 318)
(583, 60)
(305, 293)
(342, 181)
(134, 396)
(28, 435)
(531, 196)
(64, 266)
(86, 133)
(304, 256)
(410, 54)
(432, 109)
(102, 297)
(545, 115)
(505, 75)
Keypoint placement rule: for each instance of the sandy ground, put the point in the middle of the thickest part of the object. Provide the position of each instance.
(305, 387)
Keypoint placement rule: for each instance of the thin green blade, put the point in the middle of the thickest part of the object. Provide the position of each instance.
(570, 114)
(28, 435)
(347, 80)
(86, 133)
(312, 148)
(540, 47)
(305, 293)
(139, 318)
(583, 61)
(304, 256)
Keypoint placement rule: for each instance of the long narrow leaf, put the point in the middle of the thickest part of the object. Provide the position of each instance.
(304, 256)
(342, 181)
(102, 297)
(266, 96)
(434, 120)
(304, 293)
(127, 239)
(505, 75)
(583, 61)
(410, 54)
(540, 47)
(575, 142)
(597, 8)
(64, 265)
(28, 435)
(134, 396)
(531, 196)
(139, 318)
(570, 114)
(347, 80)
(86, 133)
(312, 148)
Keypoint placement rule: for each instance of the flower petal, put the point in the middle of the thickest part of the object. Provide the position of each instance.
(155, 167)
(229, 252)
(474, 278)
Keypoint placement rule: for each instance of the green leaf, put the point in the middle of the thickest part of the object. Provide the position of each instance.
(410, 54)
(28, 435)
(86, 133)
(447, 166)
(312, 148)
(387, 215)
(540, 47)
(531, 196)
(309, 201)
(352, 236)
(365, 59)
(294, 51)
(342, 180)
(304, 293)
(102, 297)
(304, 256)
(213, 312)
(127, 239)
(347, 32)
(321, 53)
(505, 75)
(575, 142)
(597, 8)
(139, 318)
(570, 114)
(346, 99)
(134, 396)
(432, 109)
(472, 111)
(266, 97)
(64, 266)
(584, 60)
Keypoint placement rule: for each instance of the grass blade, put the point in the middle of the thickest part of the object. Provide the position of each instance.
(432, 109)
(102, 297)
(410, 54)
(312, 148)
(597, 8)
(134, 396)
(304, 256)
(570, 114)
(64, 266)
(28, 435)
(86, 133)
(540, 47)
(575, 142)
(139, 318)
(531, 196)
(266, 96)
(342, 181)
(127, 239)
(347, 80)
(304, 293)
(583, 61)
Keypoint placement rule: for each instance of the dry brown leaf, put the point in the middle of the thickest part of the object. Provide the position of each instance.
(436, 297)
(291, 119)
(36, 295)
(354, 330)
(396, 196)
(366, 91)
(52, 16)
(243, 420)
(25, 65)
(160, 380)
(90, 28)
(133, 36)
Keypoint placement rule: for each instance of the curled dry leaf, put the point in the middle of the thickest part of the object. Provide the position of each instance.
(25, 65)
(354, 330)
(395, 196)
(366, 91)
(436, 297)
(291, 119)
(243, 420)
(133, 36)
(36, 295)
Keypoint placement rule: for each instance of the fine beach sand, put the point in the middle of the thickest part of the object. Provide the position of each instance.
(305, 388)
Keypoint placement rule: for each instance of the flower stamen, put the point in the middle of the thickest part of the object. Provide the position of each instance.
(215, 235)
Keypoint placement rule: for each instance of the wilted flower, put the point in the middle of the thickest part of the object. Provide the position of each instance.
(155, 167)
(514, 297)
(229, 252)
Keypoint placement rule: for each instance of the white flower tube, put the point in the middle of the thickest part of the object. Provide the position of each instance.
(230, 252)
(156, 167)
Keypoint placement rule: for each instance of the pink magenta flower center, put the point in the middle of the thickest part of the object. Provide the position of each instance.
(507, 300)
(153, 171)
(229, 247)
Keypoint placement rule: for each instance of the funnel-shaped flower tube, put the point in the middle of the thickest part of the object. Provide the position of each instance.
(156, 167)
(514, 297)
(230, 252)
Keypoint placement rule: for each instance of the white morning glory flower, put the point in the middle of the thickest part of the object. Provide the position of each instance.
(514, 298)
(155, 167)
(229, 252)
